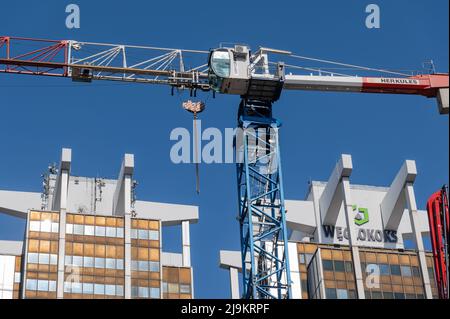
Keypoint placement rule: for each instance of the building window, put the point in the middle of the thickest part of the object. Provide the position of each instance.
(33, 258)
(99, 289)
(89, 230)
(88, 288)
(31, 284)
(185, 289)
(331, 293)
(100, 231)
(155, 293)
(42, 285)
(339, 266)
(327, 265)
(395, 270)
(406, 271)
(342, 294)
(143, 292)
(78, 229)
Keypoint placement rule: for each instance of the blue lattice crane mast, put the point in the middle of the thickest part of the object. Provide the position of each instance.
(234, 70)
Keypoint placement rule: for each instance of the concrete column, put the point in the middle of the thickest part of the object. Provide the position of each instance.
(25, 257)
(62, 195)
(412, 207)
(186, 244)
(348, 206)
(234, 283)
(127, 217)
(122, 207)
(296, 284)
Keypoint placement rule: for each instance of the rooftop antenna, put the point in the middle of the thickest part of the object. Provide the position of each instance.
(195, 108)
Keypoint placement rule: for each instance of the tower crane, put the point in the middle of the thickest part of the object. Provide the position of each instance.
(259, 82)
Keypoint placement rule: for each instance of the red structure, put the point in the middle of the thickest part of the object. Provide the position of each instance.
(33, 56)
(438, 218)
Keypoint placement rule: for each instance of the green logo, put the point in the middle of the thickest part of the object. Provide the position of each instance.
(362, 215)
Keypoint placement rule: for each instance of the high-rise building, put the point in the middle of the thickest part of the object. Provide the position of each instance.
(354, 241)
(90, 238)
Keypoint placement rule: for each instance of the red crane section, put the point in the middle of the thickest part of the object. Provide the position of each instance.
(438, 217)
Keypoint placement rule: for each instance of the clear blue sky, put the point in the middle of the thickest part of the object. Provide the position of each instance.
(100, 123)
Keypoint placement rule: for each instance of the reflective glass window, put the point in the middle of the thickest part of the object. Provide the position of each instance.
(384, 269)
(339, 266)
(406, 271)
(100, 231)
(155, 293)
(31, 284)
(69, 229)
(89, 230)
(174, 288)
(376, 295)
(33, 258)
(395, 270)
(99, 289)
(46, 226)
(153, 235)
(99, 263)
(143, 234)
(330, 293)
(143, 292)
(35, 226)
(110, 263)
(88, 262)
(185, 289)
(134, 292)
(119, 290)
(78, 229)
(55, 227)
(342, 293)
(399, 295)
(77, 288)
(88, 289)
(77, 261)
(154, 266)
(42, 285)
(143, 265)
(120, 233)
(348, 267)
(110, 290)
(67, 287)
(52, 286)
(119, 264)
(110, 231)
(44, 259)
(221, 63)
(53, 259)
(327, 265)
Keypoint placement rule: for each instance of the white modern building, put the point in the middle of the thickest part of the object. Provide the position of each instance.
(89, 238)
(348, 241)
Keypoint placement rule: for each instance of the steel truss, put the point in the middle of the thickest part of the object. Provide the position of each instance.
(261, 204)
(87, 61)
